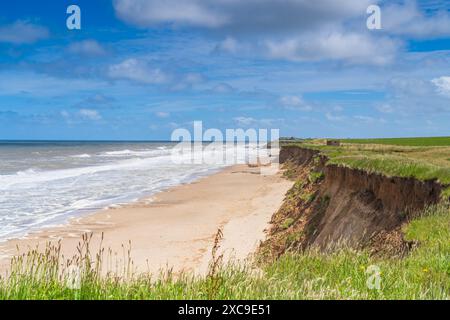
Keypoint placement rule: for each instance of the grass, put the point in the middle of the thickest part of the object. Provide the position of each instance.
(424, 274)
(420, 158)
(287, 223)
(315, 176)
(429, 141)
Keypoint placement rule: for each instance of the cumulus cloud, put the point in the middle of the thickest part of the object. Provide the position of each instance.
(87, 47)
(295, 30)
(147, 13)
(137, 71)
(410, 19)
(345, 46)
(239, 16)
(22, 32)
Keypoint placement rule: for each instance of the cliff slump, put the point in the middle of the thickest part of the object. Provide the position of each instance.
(344, 205)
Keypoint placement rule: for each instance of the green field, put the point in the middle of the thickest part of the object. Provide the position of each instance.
(429, 141)
(346, 274)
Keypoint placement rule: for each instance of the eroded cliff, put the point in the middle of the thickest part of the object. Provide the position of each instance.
(332, 205)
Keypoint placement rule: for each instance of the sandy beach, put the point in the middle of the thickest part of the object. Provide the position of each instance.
(176, 228)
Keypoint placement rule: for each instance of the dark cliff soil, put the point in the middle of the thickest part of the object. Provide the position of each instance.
(331, 206)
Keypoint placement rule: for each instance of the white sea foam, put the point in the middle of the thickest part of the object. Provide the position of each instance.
(84, 155)
(55, 187)
(128, 153)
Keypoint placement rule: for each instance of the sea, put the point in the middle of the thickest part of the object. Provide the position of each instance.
(45, 183)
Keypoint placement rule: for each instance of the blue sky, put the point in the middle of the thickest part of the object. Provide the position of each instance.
(139, 69)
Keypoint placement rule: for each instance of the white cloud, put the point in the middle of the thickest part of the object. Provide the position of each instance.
(295, 30)
(162, 114)
(295, 102)
(332, 117)
(414, 96)
(138, 71)
(230, 45)
(87, 47)
(148, 12)
(239, 16)
(186, 81)
(442, 85)
(223, 88)
(385, 108)
(90, 114)
(347, 46)
(244, 121)
(409, 19)
(22, 32)
(262, 123)
(364, 118)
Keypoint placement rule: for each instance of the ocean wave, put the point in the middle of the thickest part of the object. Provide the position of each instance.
(32, 198)
(27, 172)
(32, 176)
(84, 155)
(131, 153)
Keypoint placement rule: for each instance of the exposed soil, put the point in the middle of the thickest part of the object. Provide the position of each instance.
(330, 206)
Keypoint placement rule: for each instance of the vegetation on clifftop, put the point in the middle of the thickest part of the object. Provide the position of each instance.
(427, 141)
(420, 158)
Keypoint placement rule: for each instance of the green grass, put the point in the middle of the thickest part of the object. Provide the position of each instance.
(424, 274)
(420, 158)
(429, 141)
(287, 223)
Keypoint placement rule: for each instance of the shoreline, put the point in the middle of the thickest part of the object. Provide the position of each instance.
(175, 228)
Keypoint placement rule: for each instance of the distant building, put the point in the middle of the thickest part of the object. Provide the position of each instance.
(335, 143)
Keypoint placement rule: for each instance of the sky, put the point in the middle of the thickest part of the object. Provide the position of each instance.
(139, 69)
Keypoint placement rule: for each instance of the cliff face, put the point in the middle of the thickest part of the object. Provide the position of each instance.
(350, 206)
(363, 204)
(296, 155)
